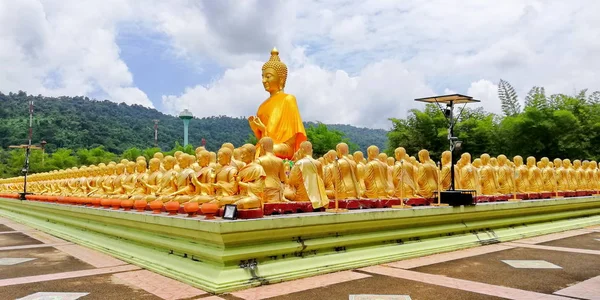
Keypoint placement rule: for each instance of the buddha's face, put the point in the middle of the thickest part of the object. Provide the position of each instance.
(245, 155)
(530, 161)
(141, 166)
(358, 157)
(400, 153)
(223, 157)
(557, 162)
(154, 164)
(271, 80)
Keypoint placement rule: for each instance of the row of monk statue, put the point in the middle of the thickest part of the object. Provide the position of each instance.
(250, 176)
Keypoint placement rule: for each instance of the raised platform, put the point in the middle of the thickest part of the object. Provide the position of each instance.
(221, 255)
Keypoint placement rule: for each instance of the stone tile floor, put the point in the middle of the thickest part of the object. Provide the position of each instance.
(566, 265)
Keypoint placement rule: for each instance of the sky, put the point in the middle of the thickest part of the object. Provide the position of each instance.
(350, 62)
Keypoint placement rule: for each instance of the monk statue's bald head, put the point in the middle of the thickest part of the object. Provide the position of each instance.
(306, 149)
(266, 144)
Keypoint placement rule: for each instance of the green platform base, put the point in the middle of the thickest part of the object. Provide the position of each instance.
(221, 256)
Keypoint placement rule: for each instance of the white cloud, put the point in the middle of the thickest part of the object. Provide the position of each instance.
(58, 48)
(487, 92)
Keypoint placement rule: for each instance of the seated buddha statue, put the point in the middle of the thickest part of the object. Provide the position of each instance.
(390, 161)
(571, 175)
(534, 175)
(278, 117)
(184, 188)
(376, 183)
(235, 159)
(587, 175)
(167, 183)
(595, 183)
(358, 158)
(445, 174)
(305, 182)
(251, 181)
(344, 175)
(118, 180)
(427, 176)
(128, 184)
(225, 177)
(141, 175)
(150, 182)
(274, 169)
(469, 176)
(108, 179)
(403, 176)
(578, 173)
(562, 178)
(203, 178)
(521, 176)
(506, 176)
(329, 158)
(488, 180)
(548, 179)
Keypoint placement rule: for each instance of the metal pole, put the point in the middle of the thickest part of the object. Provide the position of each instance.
(26, 166)
(451, 134)
(156, 133)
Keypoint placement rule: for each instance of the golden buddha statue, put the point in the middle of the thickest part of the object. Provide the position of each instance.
(488, 180)
(376, 183)
(521, 176)
(345, 179)
(586, 175)
(427, 176)
(128, 184)
(184, 188)
(469, 176)
(548, 176)
(225, 177)
(278, 117)
(329, 158)
(360, 170)
(167, 183)
(140, 176)
(446, 178)
(562, 178)
(305, 182)
(213, 160)
(274, 169)
(403, 176)
(477, 163)
(108, 179)
(251, 182)
(534, 175)
(151, 182)
(234, 158)
(579, 174)
(571, 175)
(594, 180)
(204, 178)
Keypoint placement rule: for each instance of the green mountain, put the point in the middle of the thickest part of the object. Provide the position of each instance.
(80, 122)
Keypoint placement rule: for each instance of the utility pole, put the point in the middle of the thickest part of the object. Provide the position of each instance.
(156, 133)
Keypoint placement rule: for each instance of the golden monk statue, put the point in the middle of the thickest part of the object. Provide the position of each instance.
(203, 178)
(251, 182)
(278, 117)
(534, 176)
(506, 176)
(185, 189)
(167, 184)
(595, 183)
(587, 175)
(427, 176)
(376, 183)
(345, 179)
(487, 177)
(226, 176)
(141, 175)
(274, 169)
(359, 158)
(521, 176)
(446, 178)
(578, 173)
(562, 178)
(235, 159)
(469, 176)
(548, 177)
(403, 176)
(571, 175)
(305, 182)
(329, 158)
(128, 183)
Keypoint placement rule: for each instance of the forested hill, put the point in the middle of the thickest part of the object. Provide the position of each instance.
(78, 122)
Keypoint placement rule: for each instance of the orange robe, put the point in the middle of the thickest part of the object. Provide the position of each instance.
(282, 120)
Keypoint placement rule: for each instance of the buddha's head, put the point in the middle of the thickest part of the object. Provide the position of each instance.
(213, 157)
(274, 73)
(266, 145)
(585, 164)
(120, 168)
(169, 162)
(358, 157)
(224, 156)
(372, 152)
(306, 149)
(203, 158)
(247, 153)
(557, 162)
(111, 169)
(154, 164)
(228, 145)
(477, 163)
(330, 156)
(382, 157)
(518, 160)
(341, 150)
(140, 158)
(199, 149)
(423, 156)
(494, 162)
(124, 161)
(550, 165)
(140, 166)
(390, 161)
(130, 167)
(400, 153)
(566, 163)
(237, 154)
(413, 160)
(185, 160)
(576, 164)
(446, 157)
(159, 155)
(485, 159)
(530, 161)
(465, 158)
(593, 165)
(545, 161)
(177, 155)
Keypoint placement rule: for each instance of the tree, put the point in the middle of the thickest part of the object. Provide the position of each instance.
(536, 98)
(324, 139)
(508, 98)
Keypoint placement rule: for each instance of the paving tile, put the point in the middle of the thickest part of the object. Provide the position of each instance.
(32, 246)
(17, 239)
(92, 257)
(47, 260)
(531, 264)
(54, 296)
(553, 248)
(159, 285)
(268, 291)
(589, 289)
(379, 297)
(551, 237)
(10, 261)
(448, 256)
(466, 285)
(65, 275)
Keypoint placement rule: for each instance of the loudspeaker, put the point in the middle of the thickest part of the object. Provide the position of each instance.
(458, 197)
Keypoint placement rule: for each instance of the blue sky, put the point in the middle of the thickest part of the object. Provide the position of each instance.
(350, 62)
